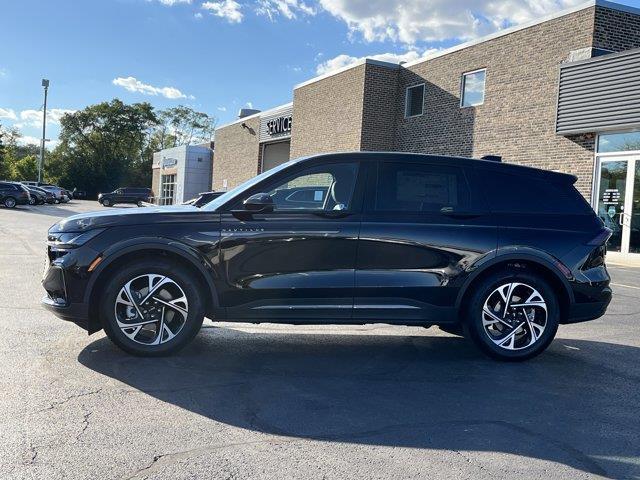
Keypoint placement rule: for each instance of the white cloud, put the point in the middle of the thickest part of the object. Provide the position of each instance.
(248, 105)
(197, 15)
(410, 21)
(289, 9)
(222, 109)
(8, 113)
(29, 140)
(132, 84)
(33, 118)
(3, 72)
(228, 9)
(344, 60)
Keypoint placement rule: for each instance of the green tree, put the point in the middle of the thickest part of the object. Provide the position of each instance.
(8, 148)
(183, 125)
(104, 146)
(25, 168)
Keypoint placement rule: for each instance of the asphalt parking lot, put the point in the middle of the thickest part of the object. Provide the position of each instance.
(279, 402)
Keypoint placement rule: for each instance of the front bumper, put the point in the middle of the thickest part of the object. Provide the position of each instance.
(64, 281)
(77, 313)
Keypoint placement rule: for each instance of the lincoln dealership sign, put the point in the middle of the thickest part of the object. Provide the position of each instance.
(279, 125)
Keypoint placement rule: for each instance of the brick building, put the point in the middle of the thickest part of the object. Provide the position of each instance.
(561, 93)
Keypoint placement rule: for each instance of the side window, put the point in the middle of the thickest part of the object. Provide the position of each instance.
(413, 187)
(326, 187)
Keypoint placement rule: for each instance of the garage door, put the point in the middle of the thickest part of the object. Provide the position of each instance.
(274, 154)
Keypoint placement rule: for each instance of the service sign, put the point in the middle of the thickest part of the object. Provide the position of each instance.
(276, 124)
(280, 125)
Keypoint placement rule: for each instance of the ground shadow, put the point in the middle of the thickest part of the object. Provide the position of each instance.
(576, 405)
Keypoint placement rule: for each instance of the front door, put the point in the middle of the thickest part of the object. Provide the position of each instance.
(618, 202)
(297, 262)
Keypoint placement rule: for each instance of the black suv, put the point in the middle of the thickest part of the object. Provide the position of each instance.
(13, 193)
(137, 196)
(500, 253)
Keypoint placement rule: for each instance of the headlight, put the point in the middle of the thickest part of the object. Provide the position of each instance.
(72, 239)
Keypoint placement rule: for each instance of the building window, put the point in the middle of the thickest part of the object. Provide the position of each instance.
(414, 104)
(618, 142)
(167, 189)
(473, 88)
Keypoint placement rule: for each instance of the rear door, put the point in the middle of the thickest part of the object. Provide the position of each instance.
(422, 226)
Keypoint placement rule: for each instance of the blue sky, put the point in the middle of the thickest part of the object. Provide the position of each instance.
(219, 55)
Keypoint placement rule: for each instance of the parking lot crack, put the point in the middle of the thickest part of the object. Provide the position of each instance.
(68, 399)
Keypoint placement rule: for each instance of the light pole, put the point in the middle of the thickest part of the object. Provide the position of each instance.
(45, 84)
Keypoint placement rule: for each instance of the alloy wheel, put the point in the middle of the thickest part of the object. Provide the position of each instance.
(151, 309)
(9, 202)
(514, 316)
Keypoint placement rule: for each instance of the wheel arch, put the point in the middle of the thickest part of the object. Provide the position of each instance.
(122, 254)
(534, 263)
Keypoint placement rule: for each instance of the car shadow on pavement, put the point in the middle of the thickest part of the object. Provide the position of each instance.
(577, 404)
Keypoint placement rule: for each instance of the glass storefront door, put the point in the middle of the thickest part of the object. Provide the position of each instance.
(618, 201)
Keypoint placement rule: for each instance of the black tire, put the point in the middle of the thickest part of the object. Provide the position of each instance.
(32, 200)
(475, 330)
(106, 202)
(453, 329)
(166, 268)
(139, 203)
(10, 202)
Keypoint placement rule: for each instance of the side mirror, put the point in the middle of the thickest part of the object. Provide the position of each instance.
(259, 203)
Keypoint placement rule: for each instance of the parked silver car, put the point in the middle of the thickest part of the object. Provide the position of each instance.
(60, 193)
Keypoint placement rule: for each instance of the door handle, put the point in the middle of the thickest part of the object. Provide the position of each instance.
(452, 212)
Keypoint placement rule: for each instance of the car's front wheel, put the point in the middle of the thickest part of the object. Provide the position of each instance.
(152, 307)
(513, 316)
(106, 202)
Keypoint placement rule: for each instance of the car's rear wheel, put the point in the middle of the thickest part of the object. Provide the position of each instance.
(106, 202)
(9, 202)
(32, 200)
(152, 308)
(513, 316)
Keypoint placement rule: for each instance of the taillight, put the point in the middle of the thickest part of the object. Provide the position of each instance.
(601, 238)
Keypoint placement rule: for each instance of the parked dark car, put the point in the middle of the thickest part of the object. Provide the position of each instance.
(49, 196)
(13, 193)
(137, 196)
(500, 253)
(37, 197)
(203, 198)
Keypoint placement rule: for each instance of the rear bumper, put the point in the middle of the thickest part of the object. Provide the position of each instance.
(583, 312)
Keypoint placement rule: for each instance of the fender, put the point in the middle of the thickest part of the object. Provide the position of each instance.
(120, 249)
(515, 253)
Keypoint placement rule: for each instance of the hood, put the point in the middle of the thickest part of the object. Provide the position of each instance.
(128, 216)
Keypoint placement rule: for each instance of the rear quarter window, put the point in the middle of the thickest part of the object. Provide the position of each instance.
(514, 193)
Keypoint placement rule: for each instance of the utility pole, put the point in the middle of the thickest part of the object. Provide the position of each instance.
(45, 84)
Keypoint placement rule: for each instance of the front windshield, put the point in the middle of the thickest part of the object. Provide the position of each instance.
(225, 197)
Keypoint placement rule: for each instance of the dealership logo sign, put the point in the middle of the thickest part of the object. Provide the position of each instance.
(169, 162)
(280, 125)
